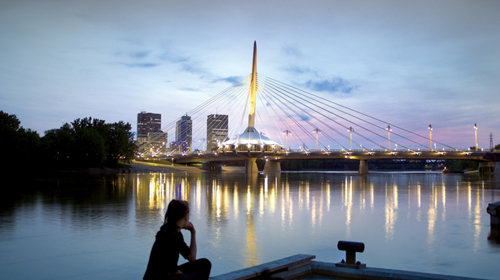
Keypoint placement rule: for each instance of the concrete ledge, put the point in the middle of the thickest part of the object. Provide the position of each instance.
(286, 268)
(330, 270)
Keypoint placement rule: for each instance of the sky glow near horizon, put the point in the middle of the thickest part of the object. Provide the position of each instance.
(410, 63)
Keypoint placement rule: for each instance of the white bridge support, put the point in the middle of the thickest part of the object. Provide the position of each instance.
(363, 167)
(272, 167)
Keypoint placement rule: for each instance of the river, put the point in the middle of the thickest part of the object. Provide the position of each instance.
(103, 226)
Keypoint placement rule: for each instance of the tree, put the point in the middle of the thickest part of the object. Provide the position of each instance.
(17, 142)
(120, 141)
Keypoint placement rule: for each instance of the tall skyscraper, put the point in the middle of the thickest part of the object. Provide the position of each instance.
(217, 129)
(146, 123)
(184, 132)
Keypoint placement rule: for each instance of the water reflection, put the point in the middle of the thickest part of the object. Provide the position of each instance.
(244, 221)
(220, 197)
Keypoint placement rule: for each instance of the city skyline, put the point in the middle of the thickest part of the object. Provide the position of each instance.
(414, 64)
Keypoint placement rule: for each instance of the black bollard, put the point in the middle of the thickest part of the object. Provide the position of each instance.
(351, 248)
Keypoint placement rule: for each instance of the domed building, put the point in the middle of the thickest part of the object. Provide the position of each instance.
(251, 141)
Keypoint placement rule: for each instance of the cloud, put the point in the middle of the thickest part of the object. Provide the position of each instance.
(189, 89)
(299, 70)
(231, 80)
(292, 51)
(139, 55)
(333, 85)
(166, 56)
(141, 65)
(193, 68)
(304, 117)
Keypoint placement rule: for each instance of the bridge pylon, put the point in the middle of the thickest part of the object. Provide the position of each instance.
(250, 142)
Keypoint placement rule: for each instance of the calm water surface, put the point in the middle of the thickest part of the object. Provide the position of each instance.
(103, 227)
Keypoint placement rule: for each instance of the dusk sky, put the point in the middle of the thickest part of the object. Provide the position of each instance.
(414, 63)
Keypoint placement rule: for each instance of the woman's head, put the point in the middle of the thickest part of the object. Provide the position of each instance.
(176, 210)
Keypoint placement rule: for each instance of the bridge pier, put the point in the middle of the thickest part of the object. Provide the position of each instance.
(251, 166)
(272, 166)
(363, 167)
(489, 167)
(212, 166)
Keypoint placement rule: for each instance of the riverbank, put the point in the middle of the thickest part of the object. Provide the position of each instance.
(143, 167)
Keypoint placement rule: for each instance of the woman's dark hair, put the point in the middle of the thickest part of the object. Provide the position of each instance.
(176, 210)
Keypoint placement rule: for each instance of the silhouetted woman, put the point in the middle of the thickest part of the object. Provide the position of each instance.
(170, 243)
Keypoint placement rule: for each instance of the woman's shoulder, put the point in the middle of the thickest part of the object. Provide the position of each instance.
(167, 231)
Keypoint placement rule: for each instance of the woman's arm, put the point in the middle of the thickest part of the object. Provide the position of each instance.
(192, 246)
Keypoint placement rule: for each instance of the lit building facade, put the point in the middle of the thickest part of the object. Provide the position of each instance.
(158, 142)
(217, 130)
(184, 132)
(146, 123)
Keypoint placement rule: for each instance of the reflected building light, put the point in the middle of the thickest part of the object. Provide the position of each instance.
(308, 195)
(249, 199)
(225, 203)
(434, 195)
(395, 190)
(217, 200)
(458, 193)
(477, 222)
(251, 254)
(235, 200)
(372, 195)
(482, 190)
(301, 196)
(272, 200)
(432, 221)
(261, 201)
(198, 197)
(419, 196)
(328, 196)
(348, 204)
(266, 185)
(470, 199)
(443, 197)
(313, 213)
(283, 207)
(409, 195)
(290, 204)
(390, 211)
(321, 209)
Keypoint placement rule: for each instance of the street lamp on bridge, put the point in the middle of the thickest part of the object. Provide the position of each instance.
(430, 137)
(351, 130)
(389, 137)
(475, 132)
(287, 132)
(317, 130)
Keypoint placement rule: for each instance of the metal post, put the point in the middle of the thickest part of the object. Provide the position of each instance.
(475, 132)
(430, 137)
(351, 130)
(389, 137)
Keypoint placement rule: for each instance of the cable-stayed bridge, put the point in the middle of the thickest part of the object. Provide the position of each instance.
(267, 119)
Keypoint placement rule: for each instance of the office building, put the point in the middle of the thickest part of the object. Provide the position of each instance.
(146, 123)
(184, 133)
(217, 130)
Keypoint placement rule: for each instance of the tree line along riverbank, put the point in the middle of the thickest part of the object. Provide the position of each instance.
(83, 143)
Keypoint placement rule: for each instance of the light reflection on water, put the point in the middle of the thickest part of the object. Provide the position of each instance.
(104, 227)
